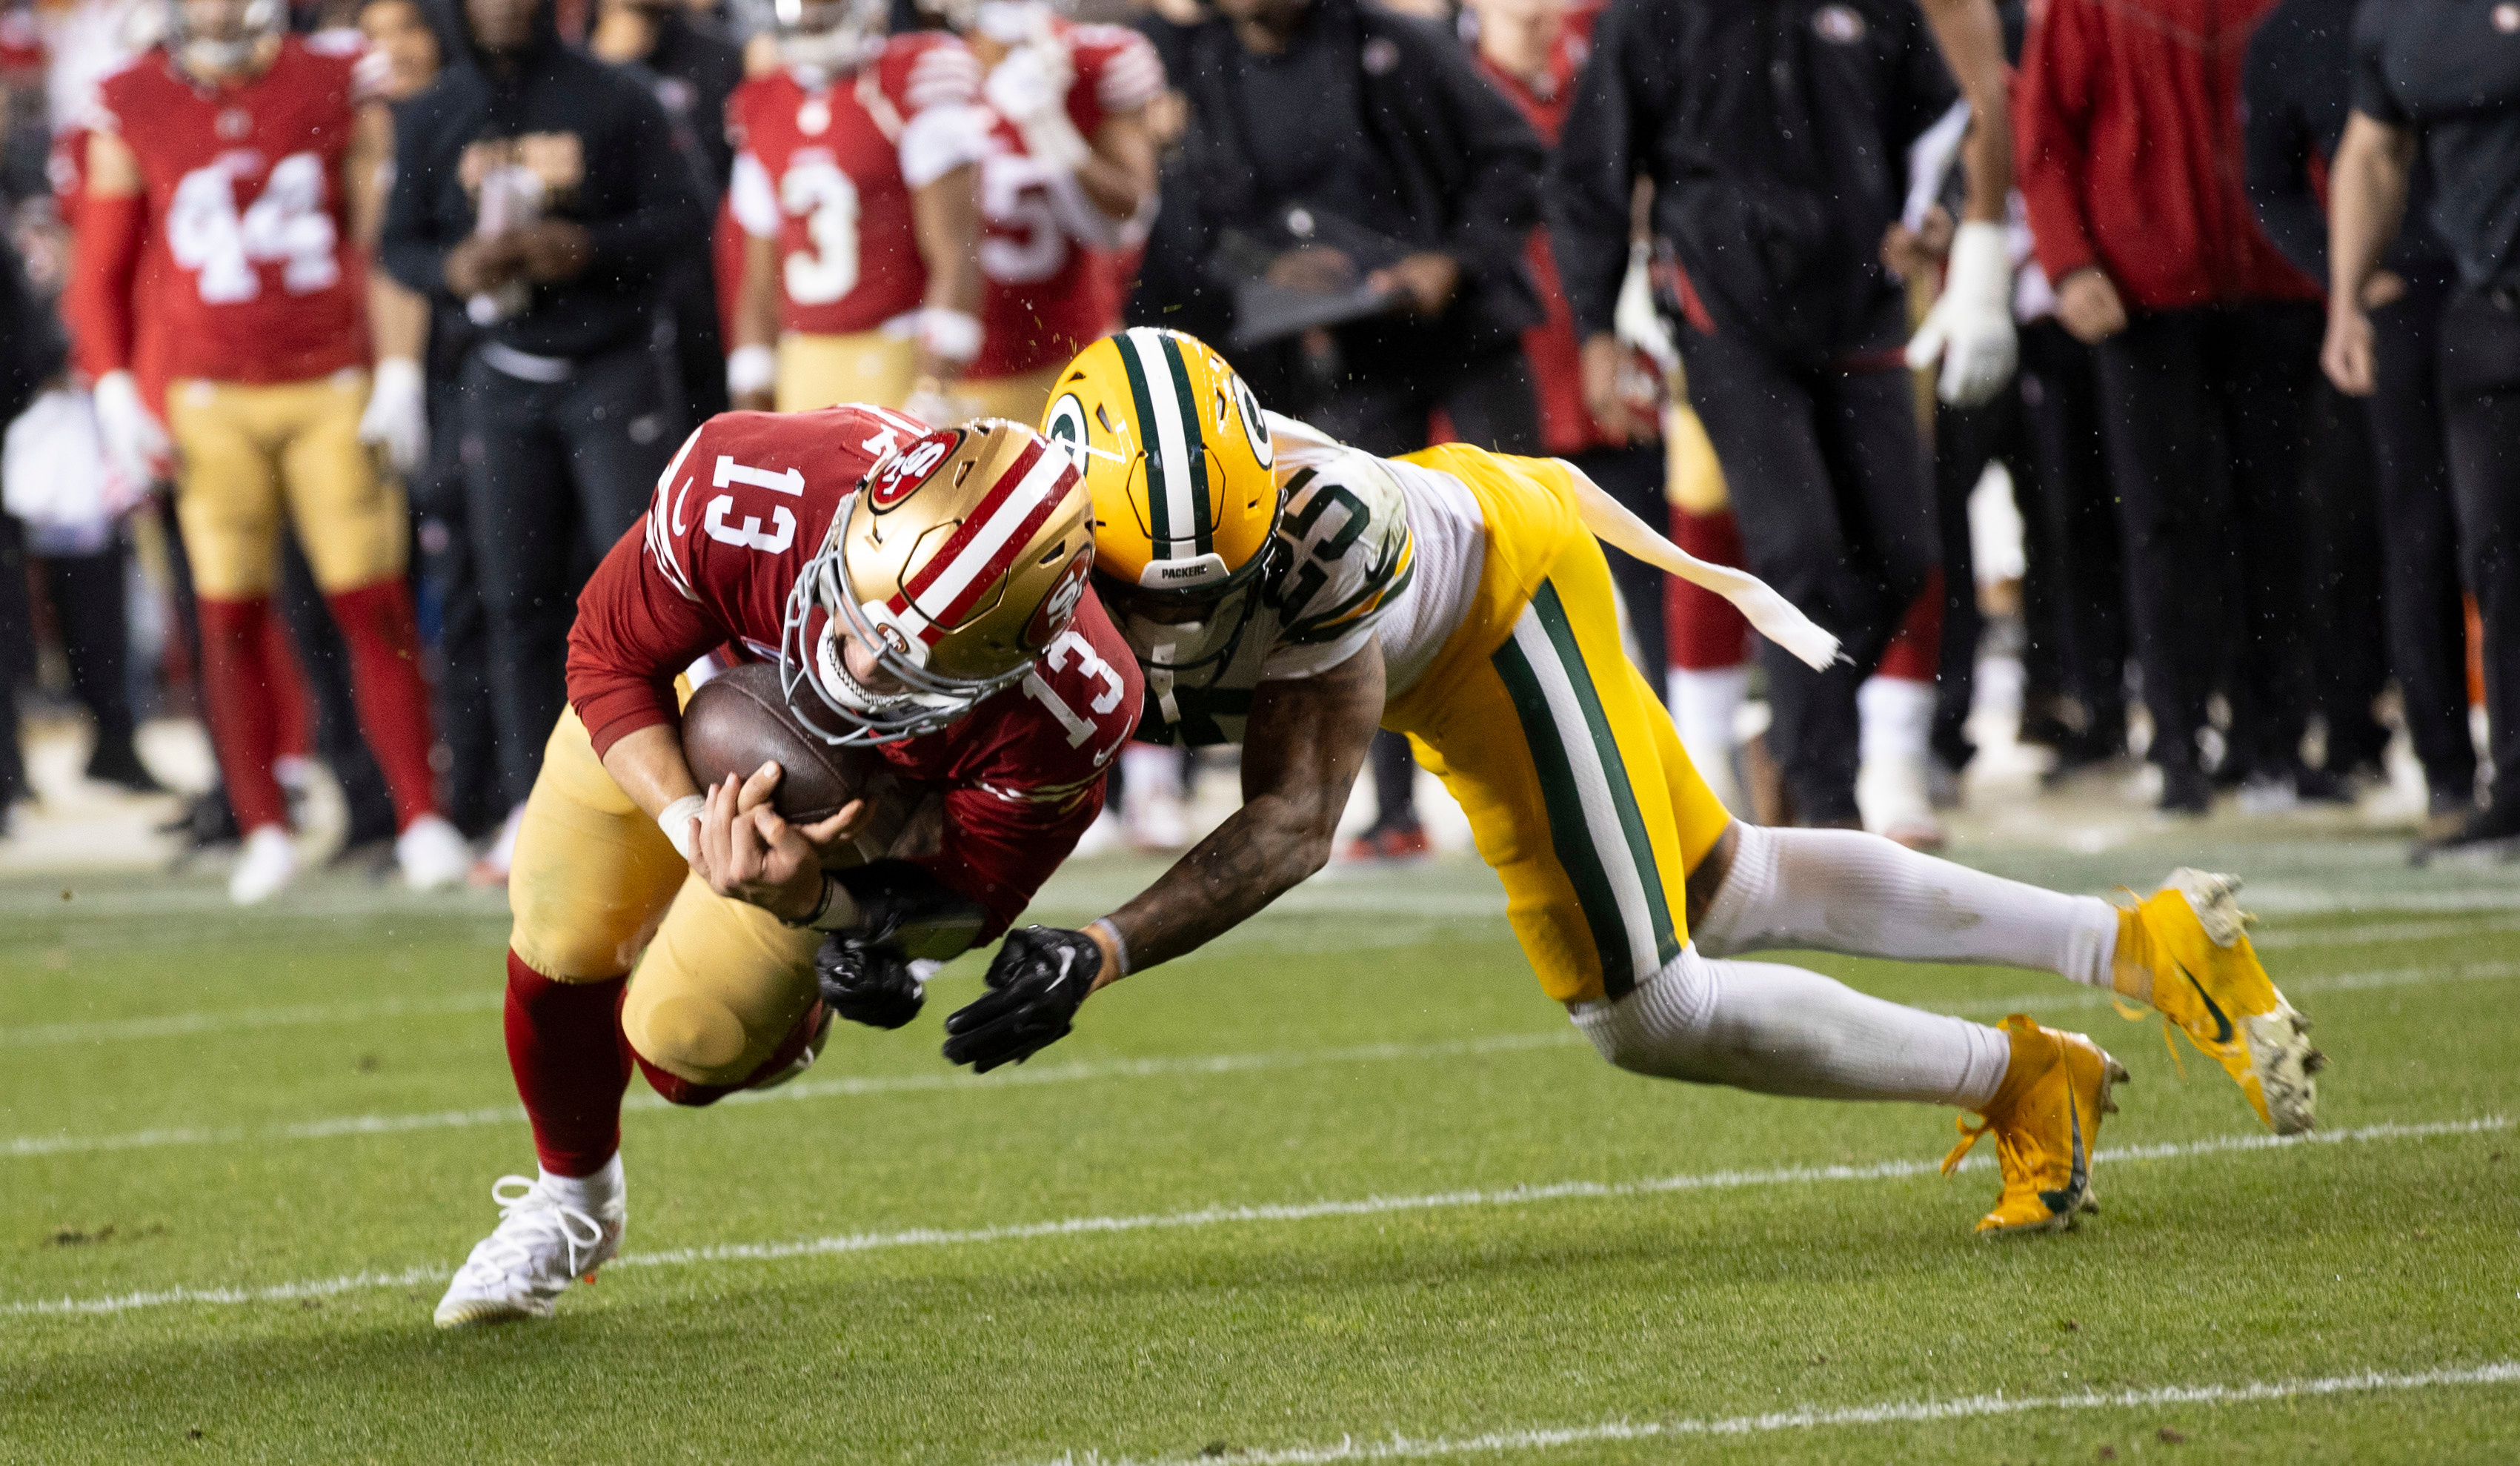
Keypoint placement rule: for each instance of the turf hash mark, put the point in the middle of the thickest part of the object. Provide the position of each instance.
(1208, 1216)
(1817, 1417)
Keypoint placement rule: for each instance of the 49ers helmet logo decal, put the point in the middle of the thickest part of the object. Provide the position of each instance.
(909, 469)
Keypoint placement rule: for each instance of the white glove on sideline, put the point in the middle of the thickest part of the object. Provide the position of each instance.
(1971, 328)
(1030, 88)
(397, 414)
(133, 436)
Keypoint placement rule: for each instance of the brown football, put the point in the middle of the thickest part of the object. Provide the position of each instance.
(739, 719)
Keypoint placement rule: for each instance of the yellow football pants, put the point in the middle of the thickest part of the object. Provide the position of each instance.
(595, 880)
(863, 366)
(247, 454)
(1577, 790)
(1018, 398)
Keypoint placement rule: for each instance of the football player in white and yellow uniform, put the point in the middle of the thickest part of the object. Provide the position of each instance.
(1293, 594)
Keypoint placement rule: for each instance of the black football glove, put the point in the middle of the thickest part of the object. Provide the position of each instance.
(1036, 981)
(868, 984)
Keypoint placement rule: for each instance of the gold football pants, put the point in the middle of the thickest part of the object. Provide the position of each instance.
(1577, 790)
(863, 366)
(248, 454)
(595, 880)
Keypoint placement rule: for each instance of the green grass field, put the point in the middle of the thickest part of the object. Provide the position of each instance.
(1345, 1186)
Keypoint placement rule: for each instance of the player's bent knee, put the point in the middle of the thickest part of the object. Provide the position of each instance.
(1660, 1029)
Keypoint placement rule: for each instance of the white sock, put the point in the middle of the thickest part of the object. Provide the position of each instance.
(1897, 717)
(1703, 706)
(1149, 770)
(1776, 1030)
(1840, 890)
(606, 1191)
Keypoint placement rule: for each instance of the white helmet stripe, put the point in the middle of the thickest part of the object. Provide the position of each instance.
(1168, 435)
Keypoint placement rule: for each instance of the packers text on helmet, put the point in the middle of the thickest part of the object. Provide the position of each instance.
(1176, 453)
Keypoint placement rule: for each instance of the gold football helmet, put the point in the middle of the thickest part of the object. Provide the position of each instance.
(962, 556)
(1177, 454)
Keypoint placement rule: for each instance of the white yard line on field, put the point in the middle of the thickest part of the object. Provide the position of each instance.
(1221, 1216)
(25, 1147)
(840, 1087)
(1272, 939)
(1398, 1447)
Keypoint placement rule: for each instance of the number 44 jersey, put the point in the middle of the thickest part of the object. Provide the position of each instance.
(826, 167)
(249, 270)
(738, 512)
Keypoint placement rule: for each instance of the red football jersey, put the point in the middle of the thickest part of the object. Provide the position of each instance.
(738, 512)
(828, 171)
(250, 273)
(1566, 426)
(1050, 295)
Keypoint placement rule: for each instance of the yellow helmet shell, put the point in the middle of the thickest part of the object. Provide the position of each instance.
(1176, 454)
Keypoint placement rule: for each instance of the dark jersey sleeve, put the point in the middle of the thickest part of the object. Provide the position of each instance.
(2370, 82)
(1017, 809)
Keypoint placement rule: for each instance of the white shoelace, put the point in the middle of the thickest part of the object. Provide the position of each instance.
(510, 1251)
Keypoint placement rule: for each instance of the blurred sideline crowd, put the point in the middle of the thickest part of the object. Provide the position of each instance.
(340, 341)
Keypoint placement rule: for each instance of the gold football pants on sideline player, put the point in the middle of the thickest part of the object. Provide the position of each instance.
(863, 366)
(248, 454)
(1577, 788)
(1018, 398)
(595, 880)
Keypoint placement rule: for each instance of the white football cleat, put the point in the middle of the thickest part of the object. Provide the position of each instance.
(432, 854)
(541, 1245)
(267, 864)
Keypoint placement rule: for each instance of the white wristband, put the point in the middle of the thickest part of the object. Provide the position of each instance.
(1119, 944)
(751, 369)
(952, 334)
(676, 820)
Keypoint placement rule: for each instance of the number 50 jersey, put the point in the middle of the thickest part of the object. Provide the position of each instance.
(740, 509)
(250, 269)
(827, 170)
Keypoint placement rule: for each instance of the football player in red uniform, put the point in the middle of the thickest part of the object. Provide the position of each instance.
(1068, 184)
(229, 182)
(941, 616)
(857, 183)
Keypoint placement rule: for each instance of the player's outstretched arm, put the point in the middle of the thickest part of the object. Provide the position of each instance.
(1302, 747)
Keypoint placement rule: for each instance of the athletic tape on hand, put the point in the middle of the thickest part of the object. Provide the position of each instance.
(677, 818)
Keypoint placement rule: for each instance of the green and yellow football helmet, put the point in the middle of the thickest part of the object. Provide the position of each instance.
(1176, 454)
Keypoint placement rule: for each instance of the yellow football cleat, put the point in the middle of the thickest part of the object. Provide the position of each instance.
(2047, 1119)
(2186, 951)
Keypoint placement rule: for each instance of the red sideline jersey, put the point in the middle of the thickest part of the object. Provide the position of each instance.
(828, 171)
(1556, 360)
(743, 507)
(249, 272)
(1051, 295)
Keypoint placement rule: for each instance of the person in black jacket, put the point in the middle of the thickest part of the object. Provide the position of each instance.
(544, 189)
(1773, 135)
(692, 70)
(32, 354)
(1339, 149)
(2298, 89)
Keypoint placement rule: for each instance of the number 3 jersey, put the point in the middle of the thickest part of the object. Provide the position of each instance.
(741, 508)
(825, 168)
(250, 273)
(1365, 548)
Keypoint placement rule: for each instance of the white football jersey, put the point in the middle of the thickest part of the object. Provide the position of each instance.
(1365, 547)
